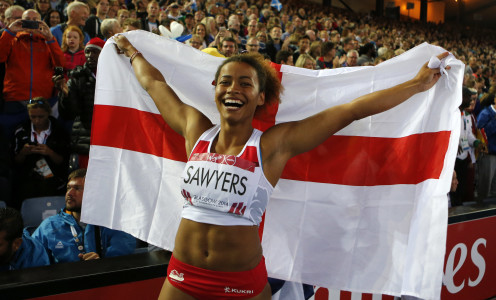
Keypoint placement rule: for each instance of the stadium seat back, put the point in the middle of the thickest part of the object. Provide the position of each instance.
(35, 210)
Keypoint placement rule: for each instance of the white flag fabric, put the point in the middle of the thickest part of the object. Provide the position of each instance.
(366, 211)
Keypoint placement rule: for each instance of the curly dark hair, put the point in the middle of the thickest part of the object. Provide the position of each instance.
(268, 81)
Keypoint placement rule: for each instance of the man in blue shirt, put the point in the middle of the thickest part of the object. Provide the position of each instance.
(17, 249)
(67, 239)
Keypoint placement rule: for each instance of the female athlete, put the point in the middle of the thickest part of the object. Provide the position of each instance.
(232, 169)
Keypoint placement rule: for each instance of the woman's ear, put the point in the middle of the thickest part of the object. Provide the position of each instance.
(261, 99)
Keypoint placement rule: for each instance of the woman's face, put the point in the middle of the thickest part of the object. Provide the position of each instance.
(309, 64)
(200, 30)
(54, 18)
(39, 118)
(237, 93)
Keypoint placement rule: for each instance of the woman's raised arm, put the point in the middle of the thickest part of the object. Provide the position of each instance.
(182, 118)
(286, 140)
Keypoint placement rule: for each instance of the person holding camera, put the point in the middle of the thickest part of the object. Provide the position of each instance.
(40, 151)
(30, 54)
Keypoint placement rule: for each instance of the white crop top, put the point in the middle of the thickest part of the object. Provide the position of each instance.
(224, 189)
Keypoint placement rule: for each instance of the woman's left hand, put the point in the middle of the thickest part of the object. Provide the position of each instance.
(427, 77)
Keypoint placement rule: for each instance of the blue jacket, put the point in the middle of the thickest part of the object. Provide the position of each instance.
(30, 254)
(487, 120)
(57, 236)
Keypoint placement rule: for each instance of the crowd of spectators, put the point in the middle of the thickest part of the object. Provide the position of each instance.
(48, 64)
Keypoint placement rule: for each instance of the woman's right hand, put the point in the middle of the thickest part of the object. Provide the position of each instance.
(124, 45)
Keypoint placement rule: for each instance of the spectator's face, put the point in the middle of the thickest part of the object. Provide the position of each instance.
(276, 33)
(198, 16)
(103, 7)
(252, 45)
(200, 30)
(80, 15)
(304, 44)
(123, 17)
(228, 48)
(352, 59)
(309, 64)
(54, 19)
(74, 194)
(252, 28)
(220, 20)
(39, 118)
(189, 21)
(195, 43)
(92, 55)
(43, 5)
(152, 10)
(3, 6)
(72, 39)
(162, 15)
(7, 249)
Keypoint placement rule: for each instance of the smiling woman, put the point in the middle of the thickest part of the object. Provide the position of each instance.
(233, 168)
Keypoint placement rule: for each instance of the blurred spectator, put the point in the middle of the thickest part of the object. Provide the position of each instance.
(189, 24)
(229, 47)
(174, 12)
(122, 15)
(12, 14)
(487, 166)
(252, 45)
(465, 159)
(131, 24)
(113, 9)
(43, 7)
(17, 249)
(351, 59)
(367, 55)
(73, 48)
(284, 58)
(76, 102)
(4, 4)
(305, 61)
(150, 23)
(348, 44)
(274, 44)
(303, 47)
(67, 239)
(201, 30)
(328, 60)
(24, 80)
(195, 41)
(93, 24)
(41, 150)
(77, 14)
(54, 18)
(110, 27)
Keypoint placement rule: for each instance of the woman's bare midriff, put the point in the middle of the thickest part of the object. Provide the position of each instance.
(218, 248)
